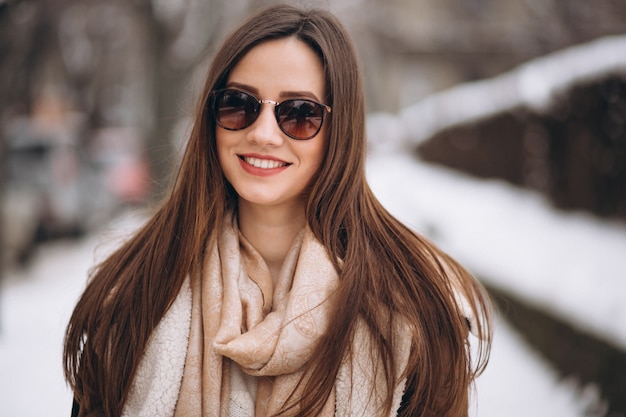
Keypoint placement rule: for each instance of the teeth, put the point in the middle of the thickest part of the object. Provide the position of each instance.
(264, 163)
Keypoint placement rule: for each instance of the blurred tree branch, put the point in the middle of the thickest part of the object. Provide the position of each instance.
(175, 42)
(24, 26)
(523, 28)
(118, 62)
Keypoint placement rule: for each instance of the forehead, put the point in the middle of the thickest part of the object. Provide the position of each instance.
(278, 66)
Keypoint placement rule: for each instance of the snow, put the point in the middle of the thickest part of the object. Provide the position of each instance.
(517, 383)
(534, 85)
(570, 264)
(500, 232)
(35, 306)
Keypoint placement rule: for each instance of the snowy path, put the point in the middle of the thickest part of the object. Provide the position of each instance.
(572, 265)
(35, 306)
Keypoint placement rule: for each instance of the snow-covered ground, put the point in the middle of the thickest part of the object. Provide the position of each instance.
(35, 305)
(496, 231)
(571, 264)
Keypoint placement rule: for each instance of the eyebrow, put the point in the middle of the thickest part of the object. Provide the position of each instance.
(282, 95)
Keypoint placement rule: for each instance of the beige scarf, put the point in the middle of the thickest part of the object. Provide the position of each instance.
(245, 341)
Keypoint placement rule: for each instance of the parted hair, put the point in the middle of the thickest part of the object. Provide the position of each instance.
(386, 270)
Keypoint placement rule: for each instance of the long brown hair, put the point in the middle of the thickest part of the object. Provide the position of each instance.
(386, 271)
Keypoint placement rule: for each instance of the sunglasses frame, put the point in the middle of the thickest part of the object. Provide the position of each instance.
(214, 110)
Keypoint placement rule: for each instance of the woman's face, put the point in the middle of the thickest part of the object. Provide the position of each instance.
(264, 165)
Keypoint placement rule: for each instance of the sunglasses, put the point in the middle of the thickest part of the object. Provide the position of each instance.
(299, 118)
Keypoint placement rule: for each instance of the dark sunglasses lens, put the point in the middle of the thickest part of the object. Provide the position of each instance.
(300, 119)
(235, 110)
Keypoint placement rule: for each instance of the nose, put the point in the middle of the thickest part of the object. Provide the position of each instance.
(265, 131)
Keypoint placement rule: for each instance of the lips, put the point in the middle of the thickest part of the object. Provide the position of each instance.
(263, 163)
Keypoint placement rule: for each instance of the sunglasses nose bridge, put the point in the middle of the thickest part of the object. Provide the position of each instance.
(265, 127)
(276, 108)
(272, 102)
(275, 104)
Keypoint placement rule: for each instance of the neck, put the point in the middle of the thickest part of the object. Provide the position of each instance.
(271, 231)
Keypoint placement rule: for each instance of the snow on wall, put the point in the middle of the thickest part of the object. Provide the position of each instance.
(533, 85)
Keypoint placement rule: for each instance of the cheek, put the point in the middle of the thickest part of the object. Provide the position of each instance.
(322, 148)
(317, 156)
(221, 145)
(219, 141)
(320, 156)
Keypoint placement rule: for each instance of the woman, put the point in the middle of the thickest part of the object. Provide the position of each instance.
(271, 281)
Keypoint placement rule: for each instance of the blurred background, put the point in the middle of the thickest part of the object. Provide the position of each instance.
(497, 128)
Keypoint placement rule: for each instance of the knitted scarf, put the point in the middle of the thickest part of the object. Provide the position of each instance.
(233, 344)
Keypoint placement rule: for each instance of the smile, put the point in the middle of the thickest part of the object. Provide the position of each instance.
(264, 163)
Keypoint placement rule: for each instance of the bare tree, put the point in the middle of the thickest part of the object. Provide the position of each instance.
(131, 64)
